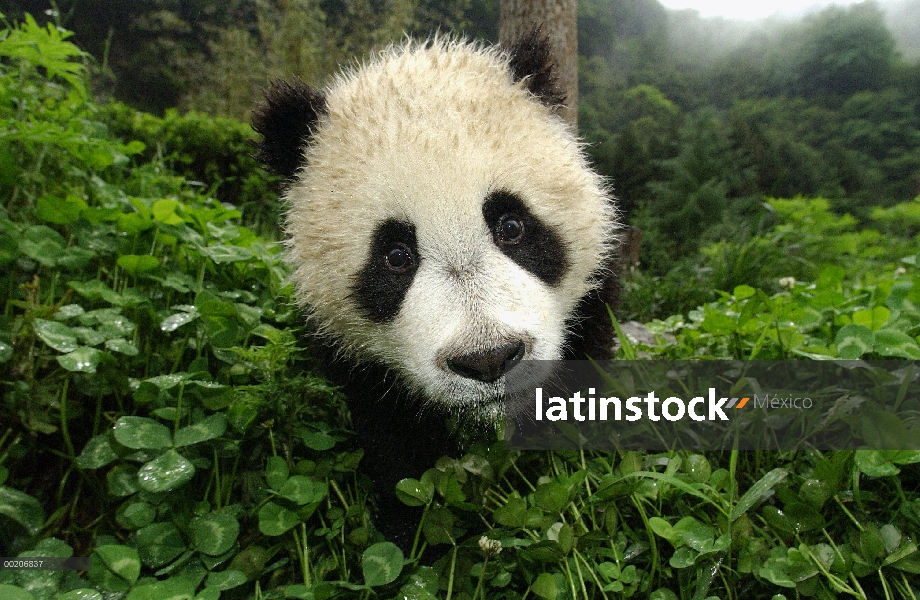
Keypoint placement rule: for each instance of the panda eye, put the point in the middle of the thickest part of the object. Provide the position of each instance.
(510, 229)
(399, 258)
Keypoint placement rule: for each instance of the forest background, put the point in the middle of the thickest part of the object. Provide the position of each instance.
(159, 412)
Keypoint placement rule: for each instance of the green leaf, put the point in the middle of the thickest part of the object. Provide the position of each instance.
(698, 467)
(177, 320)
(55, 334)
(6, 352)
(208, 428)
(223, 332)
(551, 497)
(874, 463)
(544, 586)
(79, 594)
(438, 526)
(381, 563)
(226, 254)
(225, 580)
(317, 440)
(168, 472)
(122, 346)
(683, 557)
(97, 290)
(158, 544)
(545, 551)
(873, 319)
(413, 492)
(142, 433)
(743, 292)
(135, 515)
(12, 592)
(164, 211)
(512, 514)
(303, 490)
(134, 223)
(90, 337)
(97, 453)
(422, 584)
(853, 341)
(75, 258)
(110, 322)
(889, 342)
(60, 211)
(274, 519)
(904, 457)
(68, 311)
(276, 472)
(81, 360)
(210, 305)
(122, 480)
(214, 533)
(22, 508)
(115, 568)
(758, 491)
(664, 529)
(43, 244)
(241, 415)
(174, 588)
(883, 430)
(137, 263)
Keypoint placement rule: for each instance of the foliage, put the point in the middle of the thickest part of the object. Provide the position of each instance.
(822, 107)
(840, 52)
(217, 57)
(213, 153)
(158, 413)
(145, 343)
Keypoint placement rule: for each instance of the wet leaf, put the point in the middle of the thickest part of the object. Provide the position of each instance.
(56, 335)
(141, 432)
(168, 472)
(83, 360)
(381, 563)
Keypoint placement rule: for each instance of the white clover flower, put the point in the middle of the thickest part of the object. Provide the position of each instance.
(490, 547)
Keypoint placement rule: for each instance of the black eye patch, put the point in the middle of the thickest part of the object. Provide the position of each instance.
(386, 277)
(524, 238)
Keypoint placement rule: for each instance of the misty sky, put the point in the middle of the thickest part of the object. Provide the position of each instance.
(735, 9)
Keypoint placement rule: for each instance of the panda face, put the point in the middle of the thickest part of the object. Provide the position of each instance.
(444, 222)
(456, 304)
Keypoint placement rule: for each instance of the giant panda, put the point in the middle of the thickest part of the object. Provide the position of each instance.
(444, 225)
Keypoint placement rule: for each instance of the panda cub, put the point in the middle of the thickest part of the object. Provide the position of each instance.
(444, 225)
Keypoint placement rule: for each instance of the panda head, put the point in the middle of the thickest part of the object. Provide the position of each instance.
(442, 219)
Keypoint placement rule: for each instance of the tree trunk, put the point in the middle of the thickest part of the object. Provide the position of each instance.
(558, 20)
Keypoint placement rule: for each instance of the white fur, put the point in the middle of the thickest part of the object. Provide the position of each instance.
(423, 133)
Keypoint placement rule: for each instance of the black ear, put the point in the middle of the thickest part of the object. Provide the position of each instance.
(531, 60)
(286, 119)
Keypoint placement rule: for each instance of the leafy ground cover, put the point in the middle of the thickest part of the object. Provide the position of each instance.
(158, 413)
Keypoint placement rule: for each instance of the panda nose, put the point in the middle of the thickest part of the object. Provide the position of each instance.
(489, 365)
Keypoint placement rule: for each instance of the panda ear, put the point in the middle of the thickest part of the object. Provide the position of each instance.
(286, 119)
(531, 60)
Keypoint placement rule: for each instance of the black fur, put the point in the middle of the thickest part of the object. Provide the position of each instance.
(540, 250)
(592, 333)
(378, 290)
(531, 61)
(397, 439)
(286, 119)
